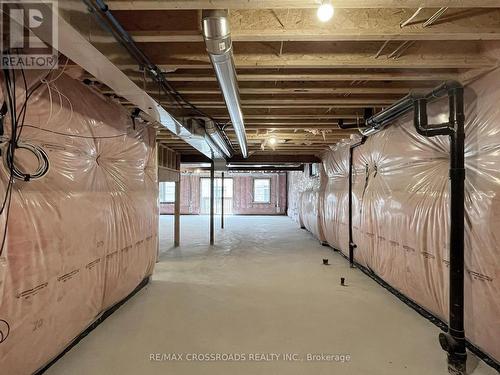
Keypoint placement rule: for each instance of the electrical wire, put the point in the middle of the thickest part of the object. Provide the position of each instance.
(82, 136)
(40, 154)
(109, 22)
(28, 96)
(14, 143)
(17, 124)
(8, 191)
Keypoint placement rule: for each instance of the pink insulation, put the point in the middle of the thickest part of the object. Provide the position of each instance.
(244, 200)
(190, 197)
(311, 209)
(81, 238)
(401, 210)
(335, 210)
(298, 183)
(306, 195)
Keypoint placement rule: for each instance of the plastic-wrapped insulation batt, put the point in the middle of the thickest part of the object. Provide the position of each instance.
(81, 238)
(401, 210)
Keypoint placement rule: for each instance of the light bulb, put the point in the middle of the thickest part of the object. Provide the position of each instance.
(272, 141)
(325, 12)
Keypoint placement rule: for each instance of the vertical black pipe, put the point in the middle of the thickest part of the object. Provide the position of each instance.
(452, 342)
(177, 204)
(352, 245)
(212, 201)
(222, 202)
(457, 355)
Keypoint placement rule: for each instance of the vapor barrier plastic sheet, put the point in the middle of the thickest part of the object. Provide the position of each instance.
(335, 211)
(401, 210)
(81, 238)
(306, 201)
(311, 207)
(298, 182)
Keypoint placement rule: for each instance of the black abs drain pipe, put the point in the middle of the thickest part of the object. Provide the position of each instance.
(453, 342)
(352, 245)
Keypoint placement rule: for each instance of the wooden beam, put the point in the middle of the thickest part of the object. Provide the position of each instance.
(299, 134)
(284, 106)
(267, 102)
(194, 159)
(341, 55)
(304, 86)
(250, 119)
(312, 76)
(273, 159)
(308, 90)
(313, 113)
(299, 98)
(288, 126)
(267, 25)
(288, 91)
(285, 4)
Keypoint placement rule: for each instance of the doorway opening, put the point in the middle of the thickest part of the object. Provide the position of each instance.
(228, 196)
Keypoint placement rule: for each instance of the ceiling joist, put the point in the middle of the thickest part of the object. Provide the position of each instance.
(295, 25)
(293, 4)
(297, 76)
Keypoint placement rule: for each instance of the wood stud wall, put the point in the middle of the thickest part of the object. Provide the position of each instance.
(168, 164)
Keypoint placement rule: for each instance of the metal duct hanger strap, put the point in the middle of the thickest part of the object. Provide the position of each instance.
(217, 37)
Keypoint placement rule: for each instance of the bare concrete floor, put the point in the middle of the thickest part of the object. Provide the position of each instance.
(262, 289)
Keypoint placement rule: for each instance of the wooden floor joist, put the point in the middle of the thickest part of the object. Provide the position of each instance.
(297, 76)
(270, 25)
(293, 4)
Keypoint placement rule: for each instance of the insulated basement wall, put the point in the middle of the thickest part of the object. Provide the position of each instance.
(244, 200)
(335, 209)
(298, 182)
(83, 237)
(190, 197)
(401, 210)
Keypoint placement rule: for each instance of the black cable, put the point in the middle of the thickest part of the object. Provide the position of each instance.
(13, 143)
(6, 222)
(101, 10)
(43, 163)
(3, 112)
(10, 151)
(82, 136)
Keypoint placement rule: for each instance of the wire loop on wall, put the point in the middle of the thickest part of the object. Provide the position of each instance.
(40, 154)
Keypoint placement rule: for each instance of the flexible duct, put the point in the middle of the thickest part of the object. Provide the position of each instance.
(217, 37)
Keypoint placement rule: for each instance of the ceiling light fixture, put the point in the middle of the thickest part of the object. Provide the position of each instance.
(325, 11)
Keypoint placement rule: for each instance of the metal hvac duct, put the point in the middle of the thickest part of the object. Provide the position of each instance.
(218, 137)
(217, 37)
(211, 137)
